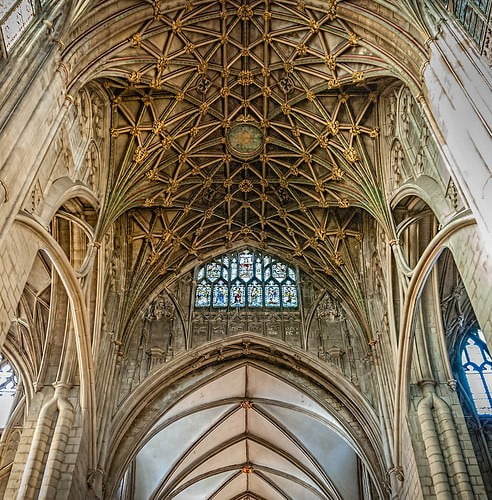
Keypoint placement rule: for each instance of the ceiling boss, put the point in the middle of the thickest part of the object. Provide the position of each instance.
(245, 140)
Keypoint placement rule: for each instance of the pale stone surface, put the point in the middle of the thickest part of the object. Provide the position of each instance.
(102, 330)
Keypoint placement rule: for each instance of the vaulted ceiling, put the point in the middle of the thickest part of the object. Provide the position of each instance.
(240, 123)
(245, 123)
(246, 434)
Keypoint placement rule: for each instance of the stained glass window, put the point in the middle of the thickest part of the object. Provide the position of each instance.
(203, 294)
(246, 279)
(15, 16)
(221, 292)
(477, 368)
(255, 294)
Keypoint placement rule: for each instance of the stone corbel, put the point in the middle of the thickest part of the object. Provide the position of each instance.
(452, 383)
(398, 472)
(64, 70)
(95, 481)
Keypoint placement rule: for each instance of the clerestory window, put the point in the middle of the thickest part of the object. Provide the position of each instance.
(474, 16)
(477, 370)
(246, 279)
(15, 16)
(8, 387)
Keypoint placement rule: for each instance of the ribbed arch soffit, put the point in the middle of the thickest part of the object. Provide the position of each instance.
(235, 441)
(244, 123)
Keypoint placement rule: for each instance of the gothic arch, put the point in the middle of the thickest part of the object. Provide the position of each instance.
(57, 256)
(173, 381)
(62, 190)
(404, 357)
(426, 188)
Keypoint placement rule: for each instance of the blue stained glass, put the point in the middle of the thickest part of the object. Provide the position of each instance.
(272, 295)
(220, 296)
(254, 295)
(246, 266)
(477, 368)
(213, 271)
(247, 278)
(202, 296)
(279, 271)
(238, 298)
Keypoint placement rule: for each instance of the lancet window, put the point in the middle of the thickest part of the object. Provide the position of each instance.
(477, 369)
(15, 16)
(246, 278)
(8, 387)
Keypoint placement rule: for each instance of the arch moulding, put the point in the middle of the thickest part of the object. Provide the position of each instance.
(174, 380)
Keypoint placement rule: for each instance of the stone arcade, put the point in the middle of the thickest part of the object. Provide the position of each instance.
(245, 249)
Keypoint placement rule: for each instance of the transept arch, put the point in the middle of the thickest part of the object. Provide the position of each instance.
(76, 297)
(417, 281)
(134, 425)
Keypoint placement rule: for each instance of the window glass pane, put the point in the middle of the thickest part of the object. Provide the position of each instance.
(234, 269)
(472, 14)
(279, 271)
(8, 386)
(477, 368)
(475, 354)
(246, 279)
(255, 295)
(246, 266)
(203, 295)
(17, 21)
(213, 271)
(258, 269)
(220, 296)
(272, 296)
(238, 298)
(289, 296)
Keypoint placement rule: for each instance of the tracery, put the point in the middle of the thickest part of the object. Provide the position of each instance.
(477, 369)
(246, 279)
(8, 387)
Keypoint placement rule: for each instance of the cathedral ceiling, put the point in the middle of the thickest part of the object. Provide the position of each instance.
(246, 434)
(245, 123)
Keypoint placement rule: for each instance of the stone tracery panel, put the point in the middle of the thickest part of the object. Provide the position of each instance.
(409, 148)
